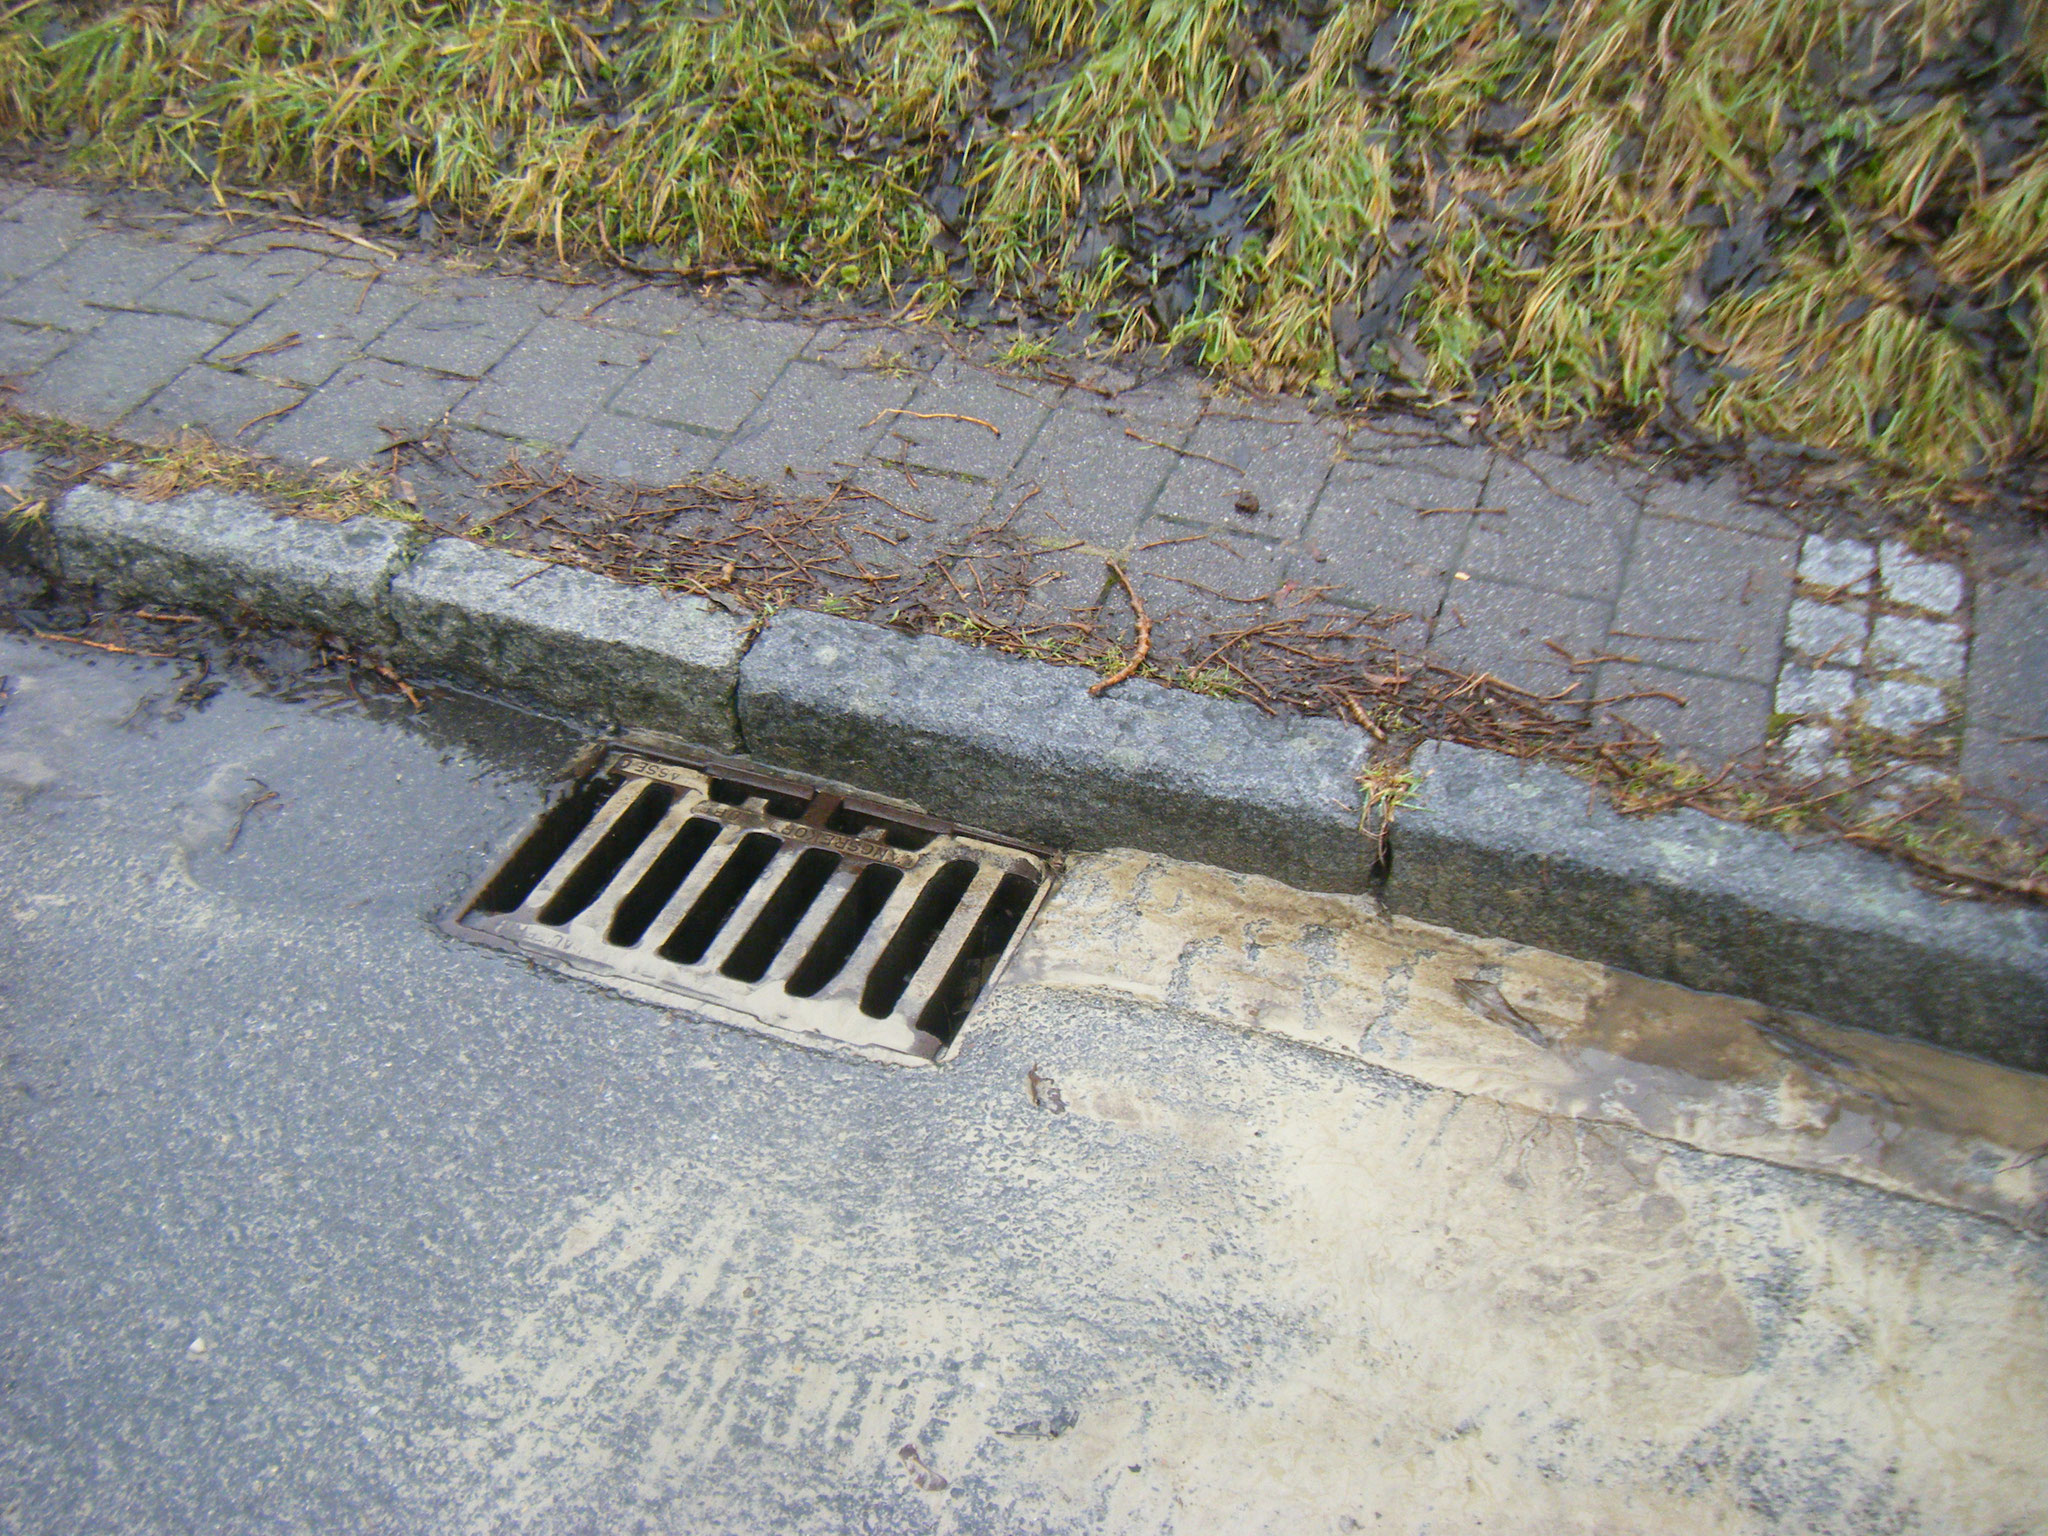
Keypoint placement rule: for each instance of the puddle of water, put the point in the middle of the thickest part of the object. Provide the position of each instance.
(1544, 1032)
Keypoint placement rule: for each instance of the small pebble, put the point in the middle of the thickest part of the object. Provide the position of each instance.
(197, 1347)
(1247, 504)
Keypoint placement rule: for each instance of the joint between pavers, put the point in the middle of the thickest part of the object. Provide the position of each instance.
(1458, 561)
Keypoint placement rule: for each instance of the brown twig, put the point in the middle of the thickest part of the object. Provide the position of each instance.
(266, 416)
(1129, 668)
(321, 226)
(941, 416)
(101, 645)
(282, 344)
(1186, 453)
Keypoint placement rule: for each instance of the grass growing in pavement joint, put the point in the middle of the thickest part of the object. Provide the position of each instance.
(1815, 220)
(1384, 787)
(195, 462)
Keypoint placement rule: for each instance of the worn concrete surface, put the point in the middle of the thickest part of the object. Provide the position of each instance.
(317, 1220)
(1680, 599)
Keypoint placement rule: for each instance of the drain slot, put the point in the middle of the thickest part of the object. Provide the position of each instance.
(595, 870)
(743, 866)
(844, 931)
(643, 903)
(764, 900)
(750, 957)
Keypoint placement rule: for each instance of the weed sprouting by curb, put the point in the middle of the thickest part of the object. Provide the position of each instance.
(1384, 787)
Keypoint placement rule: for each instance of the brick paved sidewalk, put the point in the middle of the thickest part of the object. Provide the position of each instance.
(312, 349)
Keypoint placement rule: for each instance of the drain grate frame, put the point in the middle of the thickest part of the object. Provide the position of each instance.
(770, 901)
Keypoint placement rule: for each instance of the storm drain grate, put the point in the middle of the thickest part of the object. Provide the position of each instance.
(764, 901)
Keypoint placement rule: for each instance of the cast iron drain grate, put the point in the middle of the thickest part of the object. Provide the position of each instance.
(764, 901)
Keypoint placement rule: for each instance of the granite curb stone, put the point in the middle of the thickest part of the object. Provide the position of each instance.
(573, 638)
(1518, 850)
(1021, 747)
(230, 555)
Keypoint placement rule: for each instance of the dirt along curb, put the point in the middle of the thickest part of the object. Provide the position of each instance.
(1482, 842)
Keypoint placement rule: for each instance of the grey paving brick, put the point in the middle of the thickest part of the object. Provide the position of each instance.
(814, 421)
(714, 375)
(1163, 407)
(229, 288)
(1097, 482)
(1196, 582)
(361, 411)
(1282, 468)
(128, 359)
(2005, 734)
(225, 405)
(1719, 721)
(27, 347)
(1489, 626)
(1560, 524)
(933, 440)
(1844, 564)
(1919, 582)
(550, 385)
(1702, 598)
(874, 345)
(76, 291)
(1378, 538)
(38, 230)
(1719, 501)
(333, 318)
(638, 452)
(458, 327)
(1833, 632)
(1926, 647)
(1902, 707)
(642, 307)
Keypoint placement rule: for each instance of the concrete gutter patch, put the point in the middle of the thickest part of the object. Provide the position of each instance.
(573, 638)
(229, 555)
(1021, 747)
(1495, 846)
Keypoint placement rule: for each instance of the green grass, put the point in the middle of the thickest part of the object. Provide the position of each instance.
(1552, 191)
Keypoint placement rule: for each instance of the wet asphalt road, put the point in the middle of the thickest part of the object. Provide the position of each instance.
(316, 1219)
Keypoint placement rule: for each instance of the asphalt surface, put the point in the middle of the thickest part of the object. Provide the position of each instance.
(314, 1218)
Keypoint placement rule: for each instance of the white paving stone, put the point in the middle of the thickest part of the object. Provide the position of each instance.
(1926, 646)
(1846, 563)
(1814, 691)
(1833, 630)
(1902, 707)
(1806, 749)
(1918, 581)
